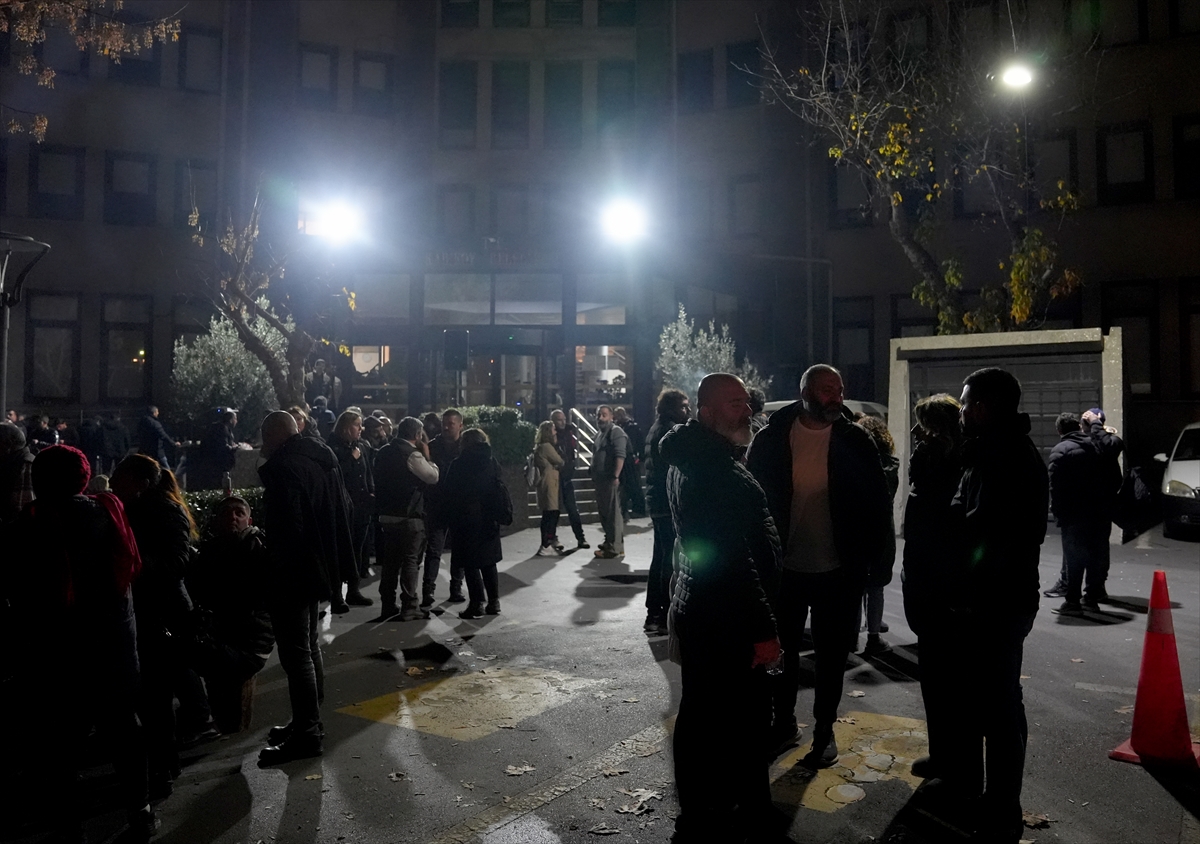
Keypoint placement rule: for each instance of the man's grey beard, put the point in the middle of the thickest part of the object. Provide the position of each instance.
(817, 411)
(740, 435)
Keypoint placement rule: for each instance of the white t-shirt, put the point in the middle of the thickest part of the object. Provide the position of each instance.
(810, 547)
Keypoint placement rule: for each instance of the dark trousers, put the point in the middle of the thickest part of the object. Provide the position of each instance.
(435, 545)
(833, 600)
(566, 500)
(161, 671)
(295, 625)
(483, 585)
(403, 542)
(549, 527)
(658, 586)
(719, 740)
(225, 669)
(633, 497)
(1085, 552)
(360, 529)
(609, 507)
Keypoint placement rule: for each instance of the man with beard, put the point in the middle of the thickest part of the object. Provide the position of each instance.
(721, 621)
(443, 450)
(567, 443)
(608, 459)
(827, 493)
(673, 409)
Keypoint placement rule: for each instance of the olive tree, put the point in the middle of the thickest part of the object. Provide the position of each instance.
(686, 353)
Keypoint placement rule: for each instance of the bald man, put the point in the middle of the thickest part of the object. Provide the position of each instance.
(722, 621)
(309, 545)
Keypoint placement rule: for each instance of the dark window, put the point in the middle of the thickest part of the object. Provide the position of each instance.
(564, 105)
(1185, 17)
(373, 83)
(1134, 307)
(510, 211)
(456, 211)
(1186, 154)
(910, 318)
(130, 188)
(977, 26)
(560, 212)
(56, 181)
(60, 52)
(745, 205)
(1124, 163)
(52, 348)
(318, 77)
(742, 62)
(854, 344)
(617, 13)
(849, 197)
(1111, 22)
(695, 208)
(510, 105)
(1055, 163)
(195, 188)
(615, 87)
(3, 175)
(141, 68)
(456, 13)
(200, 60)
(973, 195)
(456, 105)
(695, 81)
(907, 37)
(1189, 324)
(510, 13)
(564, 12)
(125, 349)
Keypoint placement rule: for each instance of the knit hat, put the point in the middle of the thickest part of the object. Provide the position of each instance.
(1095, 411)
(60, 471)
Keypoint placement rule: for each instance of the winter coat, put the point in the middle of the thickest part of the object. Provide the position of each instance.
(881, 575)
(307, 516)
(116, 440)
(1079, 481)
(153, 439)
(229, 582)
(657, 505)
(1001, 508)
(930, 541)
(216, 455)
(164, 538)
(442, 452)
(398, 492)
(480, 505)
(859, 506)
(357, 475)
(547, 458)
(728, 571)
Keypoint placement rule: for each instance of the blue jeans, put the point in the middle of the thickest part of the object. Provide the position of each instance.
(1085, 552)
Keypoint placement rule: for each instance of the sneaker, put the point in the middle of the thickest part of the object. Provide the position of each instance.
(824, 752)
(472, 611)
(924, 767)
(142, 826)
(782, 737)
(583, 543)
(339, 607)
(456, 598)
(413, 614)
(1070, 608)
(492, 608)
(388, 613)
(293, 748)
(546, 551)
(358, 599)
(1058, 590)
(653, 622)
(876, 645)
(427, 600)
(1090, 604)
(559, 547)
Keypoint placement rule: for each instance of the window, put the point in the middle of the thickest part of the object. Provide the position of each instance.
(742, 62)
(615, 98)
(130, 188)
(52, 348)
(617, 13)
(1055, 160)
(125, 347)
(456, 211)
(373, 83)
(695, 82)
(977, 24)
(1189, 324)
(460, 13)
(318, 77)
(382, 297)
(1111, 22)
(600, 300)
(1125, 164)
(200, 60)
(458, 299)
(564, 12)
(528, 299)
(60, 52)
(564, 105)
(695, 208)
(510, 13)
(854, 344)
(195, 187)
(3, 176)
(745, 205)
(191, 318)
(908, 37)
(849, 197)
(1185, 17)
(910, 318)
(972, 190)
(56, 182)
(1186, 154)
(1134, 307)
(510, 211)
(510, 105)
(560, 212)
(141, 68)
(456, 105)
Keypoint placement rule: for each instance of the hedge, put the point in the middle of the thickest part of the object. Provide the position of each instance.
(512, 437)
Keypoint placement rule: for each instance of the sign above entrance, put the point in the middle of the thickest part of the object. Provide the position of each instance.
(489, 259)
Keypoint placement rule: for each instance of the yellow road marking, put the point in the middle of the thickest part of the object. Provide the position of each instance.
(467, 707)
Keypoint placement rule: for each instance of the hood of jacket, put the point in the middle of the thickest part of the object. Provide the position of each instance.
(476, 455)
(1016, 427)
(694, 444)
(312, 448)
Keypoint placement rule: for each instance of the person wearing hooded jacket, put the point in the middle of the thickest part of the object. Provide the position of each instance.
(721, 619)
(1078, 474)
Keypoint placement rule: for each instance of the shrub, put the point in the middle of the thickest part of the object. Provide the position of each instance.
(512, 437)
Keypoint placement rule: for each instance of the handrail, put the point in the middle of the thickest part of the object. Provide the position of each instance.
(587, 438)
(582, 423)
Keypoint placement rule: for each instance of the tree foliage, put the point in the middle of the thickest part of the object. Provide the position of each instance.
(911, 105)
(96, 25)
(217, 370)
(687, 353)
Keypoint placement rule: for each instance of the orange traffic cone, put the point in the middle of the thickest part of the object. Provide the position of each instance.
(1160, 725)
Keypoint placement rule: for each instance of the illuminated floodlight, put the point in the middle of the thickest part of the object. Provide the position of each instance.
(1016, 76)
(337, 222)
(623, 221)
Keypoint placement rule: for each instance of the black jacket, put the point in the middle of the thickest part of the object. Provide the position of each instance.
(728, 574)
(229, 582)
(479, 504)
(1001, 505)
(216, 455)
(153, 439)
(398, 492)
(442, 451)
(859, 505)
(307, 516)
(881, 575)
(930, 542)
(657, 504)
(163, 536)
(357, 475)
(1079, 488)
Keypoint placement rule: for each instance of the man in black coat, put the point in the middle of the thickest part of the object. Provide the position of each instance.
(1079, 502)
(673, 409)
(827, 492)
(443, 450)
(216, 455)
(1000, 510)
(308, 521)
(721, 620)
(153, 439)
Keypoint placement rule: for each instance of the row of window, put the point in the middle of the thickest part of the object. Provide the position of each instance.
(57, 186)
(697, 70)
(518, 13)
(510, 103)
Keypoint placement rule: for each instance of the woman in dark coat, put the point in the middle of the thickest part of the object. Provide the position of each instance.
(934, 471)
(480, 504)
(880, 576)
(355, 459)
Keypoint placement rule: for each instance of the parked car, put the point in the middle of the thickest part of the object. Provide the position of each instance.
(1181, 482)
(870, 408)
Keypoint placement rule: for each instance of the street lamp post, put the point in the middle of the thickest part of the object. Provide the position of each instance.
(10, 295)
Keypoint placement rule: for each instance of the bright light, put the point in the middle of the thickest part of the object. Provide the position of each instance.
(337, 222)
(623, 221)
(1017, 76)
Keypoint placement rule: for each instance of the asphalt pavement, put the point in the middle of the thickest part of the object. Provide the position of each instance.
(550, 723)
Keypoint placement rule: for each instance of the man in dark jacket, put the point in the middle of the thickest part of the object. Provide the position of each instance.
(153, 439)
(673, 409)
(567, 444)
(443, 450)
(1079, 502)
(722, 620)
(633, 498)
(16, 472)
(116, 442)
(1000, 509)
(308, 521)
(403, 471)
(827, 492)
(216, 455)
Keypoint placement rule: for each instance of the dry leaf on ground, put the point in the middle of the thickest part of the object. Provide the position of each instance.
(413, 671)
(1036, 821)
(631, 700)
(614, 772)
(641, 794)
(846, 719)
(856, 693)
(604, 829)
(1026, 677)
(598, 802)
(313, 777)
(518, 770)
(1076, 659)
(396, 776)
(469, 786)
(1124, 710)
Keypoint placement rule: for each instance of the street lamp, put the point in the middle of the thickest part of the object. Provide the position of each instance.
(10, 295)
(337, 222)
(623, 221)
(1016, 76)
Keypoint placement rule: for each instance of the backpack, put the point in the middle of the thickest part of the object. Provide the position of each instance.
(533, 475)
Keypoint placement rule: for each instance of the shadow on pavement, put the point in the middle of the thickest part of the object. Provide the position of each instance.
(1184, 786)
(1135, 604)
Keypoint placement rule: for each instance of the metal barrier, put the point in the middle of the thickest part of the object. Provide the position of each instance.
(587, 438)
